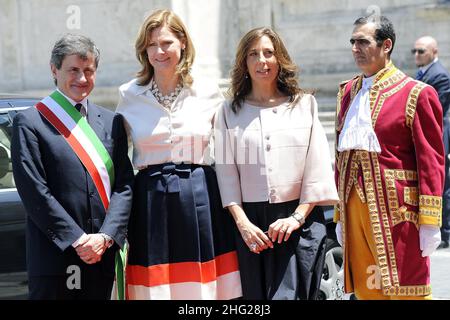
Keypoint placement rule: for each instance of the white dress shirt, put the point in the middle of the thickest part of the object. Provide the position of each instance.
(358, 133)
(274, 154)
(179, 134)
(425, 68)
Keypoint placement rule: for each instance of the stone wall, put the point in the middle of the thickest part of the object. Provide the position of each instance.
(316, 33)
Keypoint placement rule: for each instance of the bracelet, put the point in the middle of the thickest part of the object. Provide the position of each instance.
(107, 240)
(299, 217)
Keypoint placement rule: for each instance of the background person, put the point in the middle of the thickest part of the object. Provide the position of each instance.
(432, 72)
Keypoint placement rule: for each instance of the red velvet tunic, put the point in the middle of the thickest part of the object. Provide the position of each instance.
(403, 184)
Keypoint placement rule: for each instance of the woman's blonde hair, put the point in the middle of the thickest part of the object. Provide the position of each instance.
(169, 19)
(241, 84)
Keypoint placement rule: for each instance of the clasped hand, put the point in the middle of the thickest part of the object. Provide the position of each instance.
(279, 231)
(91, 248)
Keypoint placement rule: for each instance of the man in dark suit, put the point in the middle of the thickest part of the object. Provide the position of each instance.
(73, 174)
(432, 72)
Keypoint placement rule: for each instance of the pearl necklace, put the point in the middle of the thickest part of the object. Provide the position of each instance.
(167, 100)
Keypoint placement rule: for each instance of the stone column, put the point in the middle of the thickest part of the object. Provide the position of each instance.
(202, 21)
(10, 49)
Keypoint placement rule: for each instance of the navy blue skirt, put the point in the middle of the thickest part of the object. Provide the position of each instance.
(181, 239)
(291, 270)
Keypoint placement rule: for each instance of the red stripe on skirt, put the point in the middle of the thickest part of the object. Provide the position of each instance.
(180, 272)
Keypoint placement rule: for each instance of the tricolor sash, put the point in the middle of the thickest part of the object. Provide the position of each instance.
(83, 141)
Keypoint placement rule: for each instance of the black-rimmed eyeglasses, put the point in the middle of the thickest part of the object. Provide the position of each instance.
(419, 51)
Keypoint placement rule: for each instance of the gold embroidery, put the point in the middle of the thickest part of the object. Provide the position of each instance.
(353, 179)
(434, 202)
(411, 216)
(395, 78)
(390, 176)
(344, 156)
(359, 191)
(411, 195)
(435, 213)
(412, 103)
(340, 94)
(423, 290)
(342, 173)
(430, 206)
(342, 166)
(356, 86)
(352, 175)
(375, 219)
(350, 182)
(385, 219)
(390, 67)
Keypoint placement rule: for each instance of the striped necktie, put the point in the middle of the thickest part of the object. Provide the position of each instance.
(419, 75)
(81, 109)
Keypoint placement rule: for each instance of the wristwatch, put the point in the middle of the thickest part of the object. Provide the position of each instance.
(108, 241)
(300, 217)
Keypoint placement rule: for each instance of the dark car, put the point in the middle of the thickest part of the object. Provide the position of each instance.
(12, 212)
(332, 284)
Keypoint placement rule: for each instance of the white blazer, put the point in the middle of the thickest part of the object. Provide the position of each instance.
(274, 154)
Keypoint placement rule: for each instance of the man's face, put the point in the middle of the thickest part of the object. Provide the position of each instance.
(76, 77)
(369, 57)
(423, 53)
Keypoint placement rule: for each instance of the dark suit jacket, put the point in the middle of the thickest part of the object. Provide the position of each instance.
(439, 78)
(59, 195)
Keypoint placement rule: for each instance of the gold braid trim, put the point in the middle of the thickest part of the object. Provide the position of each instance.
(412, 103)
(377, 103)
(398, 214)
(356, 86)
(423, 290)
(430, 205)
(376, 220)
(411, 195)
(389, 243)
(410, 216)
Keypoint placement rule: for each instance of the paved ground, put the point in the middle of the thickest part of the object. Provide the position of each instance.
(440, 274)
(13, 285)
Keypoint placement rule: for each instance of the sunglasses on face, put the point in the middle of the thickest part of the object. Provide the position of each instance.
(419, 51)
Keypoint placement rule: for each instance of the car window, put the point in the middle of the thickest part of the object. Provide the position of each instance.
(6, 175)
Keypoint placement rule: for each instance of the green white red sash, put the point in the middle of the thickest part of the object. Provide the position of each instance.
(82, 139)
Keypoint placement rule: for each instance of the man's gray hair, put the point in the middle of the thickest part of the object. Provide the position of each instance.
(71, 44)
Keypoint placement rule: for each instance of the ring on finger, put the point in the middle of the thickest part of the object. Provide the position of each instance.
(253, 246)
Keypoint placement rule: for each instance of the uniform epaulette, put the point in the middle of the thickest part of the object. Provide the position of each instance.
(343, 83)
(411, 105)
